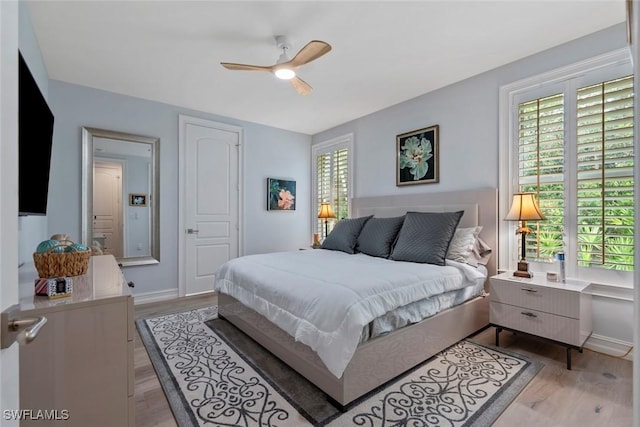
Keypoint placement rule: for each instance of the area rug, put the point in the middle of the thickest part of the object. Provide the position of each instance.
(213, 374)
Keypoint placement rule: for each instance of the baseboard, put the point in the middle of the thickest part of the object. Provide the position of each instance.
(610, 346)
(155, 296)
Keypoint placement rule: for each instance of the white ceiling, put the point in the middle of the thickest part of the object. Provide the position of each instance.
(384, 52)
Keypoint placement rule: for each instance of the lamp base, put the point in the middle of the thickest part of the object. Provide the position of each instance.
(523, 270)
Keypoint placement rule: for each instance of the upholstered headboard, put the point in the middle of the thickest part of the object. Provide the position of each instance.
(480, 208)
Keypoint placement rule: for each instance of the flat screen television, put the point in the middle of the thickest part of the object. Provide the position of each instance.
(35, 139)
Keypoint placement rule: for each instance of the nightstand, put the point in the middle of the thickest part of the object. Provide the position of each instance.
(560, 312)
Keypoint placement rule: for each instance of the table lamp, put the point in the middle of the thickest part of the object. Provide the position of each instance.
(524, 208)
(325, 213)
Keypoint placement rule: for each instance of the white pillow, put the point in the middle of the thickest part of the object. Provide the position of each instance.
(480, 254)
(463, 243)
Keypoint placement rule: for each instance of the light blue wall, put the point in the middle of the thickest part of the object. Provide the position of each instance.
(137, 218)
(268, 152)
(467, 113)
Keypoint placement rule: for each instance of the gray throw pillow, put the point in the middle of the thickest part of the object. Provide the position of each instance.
(377, 236)
(425, 237)
(344, 235)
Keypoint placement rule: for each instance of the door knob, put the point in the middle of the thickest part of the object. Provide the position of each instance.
(22, 330)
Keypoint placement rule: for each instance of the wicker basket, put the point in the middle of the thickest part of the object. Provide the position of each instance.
(61, 264)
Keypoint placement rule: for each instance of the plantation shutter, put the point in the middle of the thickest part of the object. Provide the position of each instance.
(332, 180)
(602, 159)
(541, 170)
(605, 175)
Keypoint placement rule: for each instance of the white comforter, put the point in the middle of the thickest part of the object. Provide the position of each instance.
(324, 298)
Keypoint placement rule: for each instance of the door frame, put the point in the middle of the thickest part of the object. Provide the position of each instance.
(183, 121)
(9, 224)
(123, 218)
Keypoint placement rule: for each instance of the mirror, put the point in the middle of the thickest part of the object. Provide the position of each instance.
(120, 188)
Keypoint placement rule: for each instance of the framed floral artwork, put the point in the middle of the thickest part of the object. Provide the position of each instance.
(417, 157)
(281, 195)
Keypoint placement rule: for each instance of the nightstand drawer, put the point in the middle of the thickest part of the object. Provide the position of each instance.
(546, 325)
(540, 298)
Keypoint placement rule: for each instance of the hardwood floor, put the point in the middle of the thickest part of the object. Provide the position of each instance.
(152, 407)
(596, 392)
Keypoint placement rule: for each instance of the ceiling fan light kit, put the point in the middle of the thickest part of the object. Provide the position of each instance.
(284, 73)
(284, 68)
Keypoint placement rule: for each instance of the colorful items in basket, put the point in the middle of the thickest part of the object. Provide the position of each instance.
(60, 257)
(56, 287)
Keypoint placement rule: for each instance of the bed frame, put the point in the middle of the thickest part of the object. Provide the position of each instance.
(384, 358)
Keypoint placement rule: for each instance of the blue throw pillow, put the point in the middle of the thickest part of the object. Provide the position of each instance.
(425, 237)
(344, 235)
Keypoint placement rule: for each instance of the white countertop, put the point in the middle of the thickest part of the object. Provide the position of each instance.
(541, 280)
(103, 280)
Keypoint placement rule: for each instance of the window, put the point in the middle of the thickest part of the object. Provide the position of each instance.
(572, 145)
(332, 178)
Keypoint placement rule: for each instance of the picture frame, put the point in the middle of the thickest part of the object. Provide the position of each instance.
(137, 199)
(629, 11)
(281, 194)
(417, 154)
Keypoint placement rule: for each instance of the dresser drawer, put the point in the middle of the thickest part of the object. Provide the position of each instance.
(541, 298)
(539, 323)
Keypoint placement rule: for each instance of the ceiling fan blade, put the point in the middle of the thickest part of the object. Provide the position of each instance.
(312, 51)
(244, 67)
(302, 87)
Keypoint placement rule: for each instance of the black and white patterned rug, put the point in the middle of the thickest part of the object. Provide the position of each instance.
(214, 375)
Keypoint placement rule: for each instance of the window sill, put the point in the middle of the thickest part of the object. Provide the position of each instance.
(618, 292)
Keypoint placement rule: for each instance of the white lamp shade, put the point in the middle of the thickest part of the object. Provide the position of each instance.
(524, 208)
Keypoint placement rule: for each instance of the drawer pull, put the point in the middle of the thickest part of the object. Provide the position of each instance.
(528, 314)
(529, 290)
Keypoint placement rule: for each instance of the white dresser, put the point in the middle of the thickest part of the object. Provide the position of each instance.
(82, 359)
(560, 312)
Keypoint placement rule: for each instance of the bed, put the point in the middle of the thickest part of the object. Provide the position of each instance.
(343, 368)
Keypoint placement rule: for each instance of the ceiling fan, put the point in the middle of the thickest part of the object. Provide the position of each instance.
(285, 68)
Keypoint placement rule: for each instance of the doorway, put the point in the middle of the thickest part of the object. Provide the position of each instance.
(107, 206)
(209, 196)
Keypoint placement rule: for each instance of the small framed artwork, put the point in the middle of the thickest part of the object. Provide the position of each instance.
(417, 157)
(281, 195)
(136, 199)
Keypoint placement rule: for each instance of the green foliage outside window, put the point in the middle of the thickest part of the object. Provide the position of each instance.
(604, 191)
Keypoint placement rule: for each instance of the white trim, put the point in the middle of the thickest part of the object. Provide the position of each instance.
(506, 129)
(611, 291)
(9, 357)
(155, 296)
(322, 147)
(634, 47)
(611, 346)
(183, 120)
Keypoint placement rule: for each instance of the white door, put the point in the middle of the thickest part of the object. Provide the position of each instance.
(210, 186)
(107, 207)
(9, 198)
